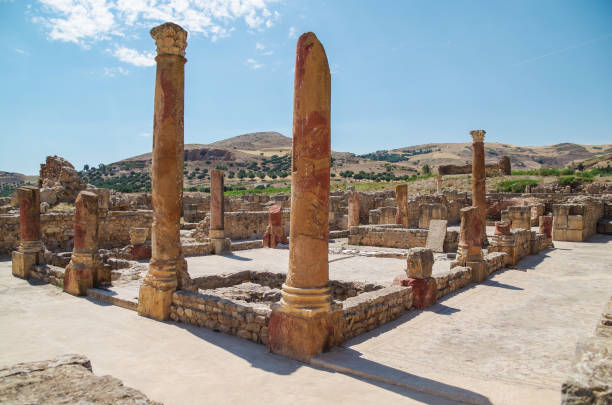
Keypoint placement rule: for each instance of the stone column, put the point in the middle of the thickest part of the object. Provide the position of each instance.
(505, 166)
(439, 184)
(217, 211)
(29, 252)
(305, 322)
(167, 268)
(470, 243)
(275, 233)
(81, 272)
(401, 197)
(353, 210)
(546, 226)
(479, 196)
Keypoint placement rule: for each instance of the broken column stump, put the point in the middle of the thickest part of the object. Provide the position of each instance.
(275, 233)
(30, 250)
(419, 267)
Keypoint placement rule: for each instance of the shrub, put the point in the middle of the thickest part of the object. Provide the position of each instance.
(515, 186)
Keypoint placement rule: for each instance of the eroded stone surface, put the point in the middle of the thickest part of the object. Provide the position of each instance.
(419, 262)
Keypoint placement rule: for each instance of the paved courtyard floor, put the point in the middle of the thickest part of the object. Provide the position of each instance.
(508, 340)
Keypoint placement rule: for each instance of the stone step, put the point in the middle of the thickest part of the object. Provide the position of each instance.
(123, 300)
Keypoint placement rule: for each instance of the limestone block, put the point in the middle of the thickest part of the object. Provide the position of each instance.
(605, 226)
(559, 234)
(575, 222)
(48, 195)
(420, 263)
(574, 235)
(424, 291)
(23, 264)
(479, 271)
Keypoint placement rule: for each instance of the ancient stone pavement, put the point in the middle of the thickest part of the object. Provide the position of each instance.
(509, 340)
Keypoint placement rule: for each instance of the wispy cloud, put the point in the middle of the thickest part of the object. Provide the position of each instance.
(86, 22)
(132, 56)
(21, 51)
(145, 135)
(262, 49)
(292, 33)
(253, 64)
(563, 50)
(114, 71)
(333, 69)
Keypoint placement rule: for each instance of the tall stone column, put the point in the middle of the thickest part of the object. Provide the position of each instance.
(305, 322)
(353, 210)
(401, 197)
(217, 211)
(167, 268)
(479, 196)
(81, 272)
(29, 252)
(470, 245)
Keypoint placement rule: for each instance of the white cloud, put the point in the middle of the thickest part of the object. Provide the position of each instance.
(259, 46)
(253, 64)
(145, 135)
(262, 49)
(21, 51)
(88, 21)
(292, 33)
(114, 71)
(134, 57)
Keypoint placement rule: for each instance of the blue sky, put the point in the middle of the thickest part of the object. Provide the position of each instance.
(78, 77)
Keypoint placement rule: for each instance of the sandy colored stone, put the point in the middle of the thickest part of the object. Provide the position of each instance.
(419, 262)
(401, 196)
(167, 268)
(353, 209)
(216, 200)
(436, 235)
(29, 213)
(275, 233)
(470, 235)
(502, 228)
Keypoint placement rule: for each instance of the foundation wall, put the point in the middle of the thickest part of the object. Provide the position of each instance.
(242, 225)
(396, 237)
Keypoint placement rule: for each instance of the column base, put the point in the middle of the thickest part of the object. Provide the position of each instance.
(23, 263)
(80, 274)
(302, 334)
(479, 271)
(221, 245)
(154, 302)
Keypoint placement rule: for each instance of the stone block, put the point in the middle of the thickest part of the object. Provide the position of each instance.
(575, 222)
(436, 235)
(424, 291)
(420, 262)
(23, 263)
(560, 222)
(559, 234)
(142, 252)
(574, 235)
(479, 271)
(605, 226)
(221, 246)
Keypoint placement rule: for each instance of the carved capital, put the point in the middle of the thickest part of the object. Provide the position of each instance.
(170, 39)
(478, 135)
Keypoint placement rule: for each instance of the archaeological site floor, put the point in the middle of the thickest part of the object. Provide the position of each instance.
(507, 340)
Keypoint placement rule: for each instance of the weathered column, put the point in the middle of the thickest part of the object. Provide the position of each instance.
(418, 276)
(439, 183)
(546, 226)
(470, 243)
(479, 196)
(505, 167)
(81, 272)
(305, 322)
(29, 252)
(167, 268)
(221, 244)
(401, 197)
(275, 233)
(353, 210)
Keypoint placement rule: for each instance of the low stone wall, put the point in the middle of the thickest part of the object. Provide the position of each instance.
(242, 225)
(57, 229)
(577, 220)
(452, 280)
(370, 310)
(396, 237)
(520, 243)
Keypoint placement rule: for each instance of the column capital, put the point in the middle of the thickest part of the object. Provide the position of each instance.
(170, 38)
(478, 135)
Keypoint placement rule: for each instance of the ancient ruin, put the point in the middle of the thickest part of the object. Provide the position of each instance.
(30, 248)
(275, 234)
(167, 269)
(479, 196)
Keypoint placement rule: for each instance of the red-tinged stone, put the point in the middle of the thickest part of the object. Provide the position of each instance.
(470, 235)
(424, 291)
(140, 252)
(275, 233)
(479, 197)
(216, 200)
(86, 223)
(546, 223)
(29, 213)
(502, 228)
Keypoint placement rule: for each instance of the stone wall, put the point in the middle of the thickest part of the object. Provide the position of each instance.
(370, 310)
(520, 243)
(577, 221)
(57, 233)
(397, 237)
(241, 225)
(452, 280)
(501, 168)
